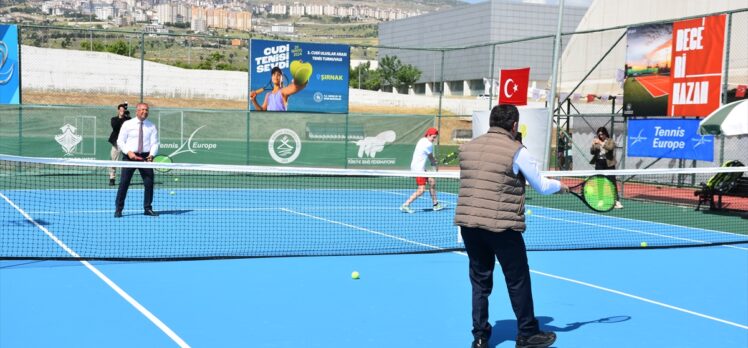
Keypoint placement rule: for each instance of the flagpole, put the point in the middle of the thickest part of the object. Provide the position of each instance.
(551, 99)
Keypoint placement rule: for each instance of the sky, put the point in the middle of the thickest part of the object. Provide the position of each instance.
(553, 2)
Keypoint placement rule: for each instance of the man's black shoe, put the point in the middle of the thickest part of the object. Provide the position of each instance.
(117, 214)
(538, 340)
(111, 182)
(150, 212)
(480, 343)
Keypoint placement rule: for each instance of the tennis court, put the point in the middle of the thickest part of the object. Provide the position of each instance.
(644, 297)
(656, 85)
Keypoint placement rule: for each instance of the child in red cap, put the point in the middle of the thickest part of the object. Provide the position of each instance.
(424, 150)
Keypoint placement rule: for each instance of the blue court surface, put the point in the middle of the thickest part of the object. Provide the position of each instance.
(689, 297)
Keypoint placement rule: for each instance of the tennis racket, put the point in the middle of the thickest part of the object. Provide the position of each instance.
(597, 192)
(449, 157)
(269, 85)
(162, 159)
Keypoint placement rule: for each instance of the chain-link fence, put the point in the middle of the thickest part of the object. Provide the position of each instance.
(90, 67)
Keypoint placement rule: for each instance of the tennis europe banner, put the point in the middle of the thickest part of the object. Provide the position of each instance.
(298, 76)
(669, 138)
(513, 86)
(10, 91)
(674, 69)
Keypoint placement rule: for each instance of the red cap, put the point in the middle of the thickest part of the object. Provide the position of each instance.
(431, 131)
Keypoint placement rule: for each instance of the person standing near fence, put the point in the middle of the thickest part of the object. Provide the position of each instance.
(603, 152)
(491, 215)
(122, 115)
(424, 151)
(138, 140)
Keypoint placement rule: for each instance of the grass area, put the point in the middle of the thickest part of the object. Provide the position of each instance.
(642, 102)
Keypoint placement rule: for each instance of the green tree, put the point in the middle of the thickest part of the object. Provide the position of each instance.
(388, 68)
(373, 81)
(120, 47)
(407, 76)
(362, 76)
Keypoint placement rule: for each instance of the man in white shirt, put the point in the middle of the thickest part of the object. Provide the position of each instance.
(424, 150)
(138, 141)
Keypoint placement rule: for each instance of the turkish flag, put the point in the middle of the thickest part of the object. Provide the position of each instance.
(513, 86)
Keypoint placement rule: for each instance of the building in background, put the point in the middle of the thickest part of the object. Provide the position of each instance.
(490, 21)
(219, 18)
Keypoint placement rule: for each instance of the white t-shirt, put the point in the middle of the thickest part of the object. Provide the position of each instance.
(424, 148)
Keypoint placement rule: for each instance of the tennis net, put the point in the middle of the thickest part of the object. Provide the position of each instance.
(64, 209)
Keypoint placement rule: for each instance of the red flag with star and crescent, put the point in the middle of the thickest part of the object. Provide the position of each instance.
(513, 86)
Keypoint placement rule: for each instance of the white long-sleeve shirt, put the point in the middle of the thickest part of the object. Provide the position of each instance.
(128, 137)
(525, 163)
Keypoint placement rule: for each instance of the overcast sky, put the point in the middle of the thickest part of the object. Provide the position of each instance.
(554, 2)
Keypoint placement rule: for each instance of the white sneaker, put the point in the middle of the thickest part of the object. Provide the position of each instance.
(618, 205)
(406, 209)
(438, 206)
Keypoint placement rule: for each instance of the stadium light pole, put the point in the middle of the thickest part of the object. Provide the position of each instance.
(551, 99)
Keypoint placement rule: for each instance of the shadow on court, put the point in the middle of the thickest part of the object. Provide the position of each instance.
(174, 212)
(506, 330)
(25, 222)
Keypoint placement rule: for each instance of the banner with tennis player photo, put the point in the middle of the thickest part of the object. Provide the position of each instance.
(674, 69)
(298, 76)
(10, 92)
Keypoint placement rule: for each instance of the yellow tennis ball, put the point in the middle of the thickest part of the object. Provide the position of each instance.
(176, 179)
(355, 275)
(644, 244)
(528, 212)
(172, 192)
(303, 72)
(294, 67)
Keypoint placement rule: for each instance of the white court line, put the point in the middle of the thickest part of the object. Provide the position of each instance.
(621, 218)
(745, 327)
(634, 231)
(363, 229)
(578, 282)
(637, 221)
(178, 340)
(648, 222)
(316, 208)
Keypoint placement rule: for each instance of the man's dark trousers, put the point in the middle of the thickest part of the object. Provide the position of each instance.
(509, 248)
(124, 184)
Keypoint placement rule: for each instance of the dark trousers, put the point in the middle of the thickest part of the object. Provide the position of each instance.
(124, 184)
(483, 247)
(602, 164)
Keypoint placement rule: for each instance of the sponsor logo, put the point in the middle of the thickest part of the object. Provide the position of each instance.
(704, 139)
(5, 74)
(368, 148)
(68, 139)
(637, 139)
(318, 97)
(284, 146)
(189, 145)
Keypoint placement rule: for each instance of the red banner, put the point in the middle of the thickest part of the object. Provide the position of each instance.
(740, 91)
(513, 86)
(696, 72)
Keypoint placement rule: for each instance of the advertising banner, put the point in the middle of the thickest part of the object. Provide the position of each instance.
(10, 90)
(674, 69)
(668, 138)
(533, 125)
(298, 76)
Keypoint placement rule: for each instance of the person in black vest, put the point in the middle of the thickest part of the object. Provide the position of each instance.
(122, 115)
(491, 214)
(138, 141)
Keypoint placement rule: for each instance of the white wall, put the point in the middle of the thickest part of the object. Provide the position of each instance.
(49, 69)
